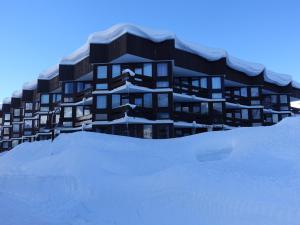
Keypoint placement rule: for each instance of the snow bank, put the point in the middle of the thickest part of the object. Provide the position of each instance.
(244, 176)
(49, 73)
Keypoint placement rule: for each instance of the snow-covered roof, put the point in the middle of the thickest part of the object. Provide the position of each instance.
(277, 78)
(249, 68)
(17, 94)
(30, 85)
(0, 106)
(7, 100)
(211, 54)
(49, 73)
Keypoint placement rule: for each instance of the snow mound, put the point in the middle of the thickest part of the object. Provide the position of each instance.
(7, 100)
(277, 78)
(30, 85)
(244, 176)
(249, 68)
(17, 94)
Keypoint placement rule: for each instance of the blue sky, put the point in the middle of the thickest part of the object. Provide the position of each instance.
(36, 34)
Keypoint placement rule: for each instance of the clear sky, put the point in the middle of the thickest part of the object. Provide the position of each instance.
(36, 34)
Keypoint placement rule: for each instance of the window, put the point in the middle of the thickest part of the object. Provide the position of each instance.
(68, 112)
(147, 131)
(28, 124)
(56, 98)
(148, 100)
(162, 84)
(115, 101)
(275, 118)
(57, 118)
(163, 116)
(148, 69)
(244, 92)
(163, 131)
(237, 92)
(68, 88)
(216, 95)
(245, 114)
(102, 72)
(124, 100)
(196, 109)
(162, 100)
(217, 107)
(274, 99)
(101, 116)
(256, 114)
(203, 82)
(101, 86)
(79, 111)
(185, 109)
(284, 108)
(43, 119)
(44, 99)
(254, 92)
(138, 101)
(138, 70)
(6, 131)
(116, 70)
(195, 83)
(101, 102)
(16, 128)
(28, 106)
(204, 108)
(17, 112)
(216, 83)
(162, 69)
(44, 109)
(255, 102)
(283, 99)
(7, 116)
(80, 87)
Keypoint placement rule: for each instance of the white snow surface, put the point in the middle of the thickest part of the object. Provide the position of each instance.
(244, 176)
(49, 73)
(7, 100)
(277, 78)
(249, 68)
(17, 94)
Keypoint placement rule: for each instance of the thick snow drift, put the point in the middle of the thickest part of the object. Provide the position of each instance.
(241, 177)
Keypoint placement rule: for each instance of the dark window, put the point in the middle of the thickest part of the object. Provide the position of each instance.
(203, 82)
(254, 92)
(204, 108)
(283, 99)
(256, 114)
(216, 83)
(244, 92)
(217, 107)
(115, 101)
(162, 100)
(116, 70)
(68, 88)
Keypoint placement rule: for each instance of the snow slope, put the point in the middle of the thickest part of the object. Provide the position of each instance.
(241, 177)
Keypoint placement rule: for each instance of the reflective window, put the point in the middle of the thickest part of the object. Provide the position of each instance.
(28, 106)
(244, 92)
(101, 86)
(274, 99)
(101, 102)
(195, 83)
(217, 107)
(275, 118)
(162, 69)
(203, 82)
(7, 116)
(283, 99)
(148, 69)
(17, 112)
(44, 99)
(138, 70)
(138, 101)
(204, 108)
(43, 119)
(256, 114)
(162, 84)
(68, 112)
(147, 131)
(162, 100)
(80, 86)
(79, 111)
(245, 114)
(254, 92)
(27, 124)
(115, 101)
(68, 88)
(216, 83)
(116, 70)
(216, 95)
(102, 72)
(16, 128)
(148, 100)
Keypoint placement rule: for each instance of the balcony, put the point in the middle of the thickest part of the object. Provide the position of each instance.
(138, 80)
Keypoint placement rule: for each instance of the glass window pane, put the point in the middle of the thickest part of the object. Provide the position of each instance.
(254, 92)
(44, 99)
(101, 72)
(162, 84)
(79, 111)
(274, 99)
(275, 118)
(148, 69)
(68, 88)
(162, 100)
(68, 112)
(283, 99)
(244, 92)
(256, 114)
(28, 106)
(162, 69)
(101, 86)
(43, 120)
(148, 100)
(138, 101)
(101, 102)
(115, 101)
(203, 82)
(245, 114)
(216, 83)
(138, 70)
(204, 108)
(217, 107)
(116, 70)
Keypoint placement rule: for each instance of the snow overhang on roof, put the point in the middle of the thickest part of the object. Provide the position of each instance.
(30, 85)
(17, 94)
(211, 54)
(7, 100)
(49, 73)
